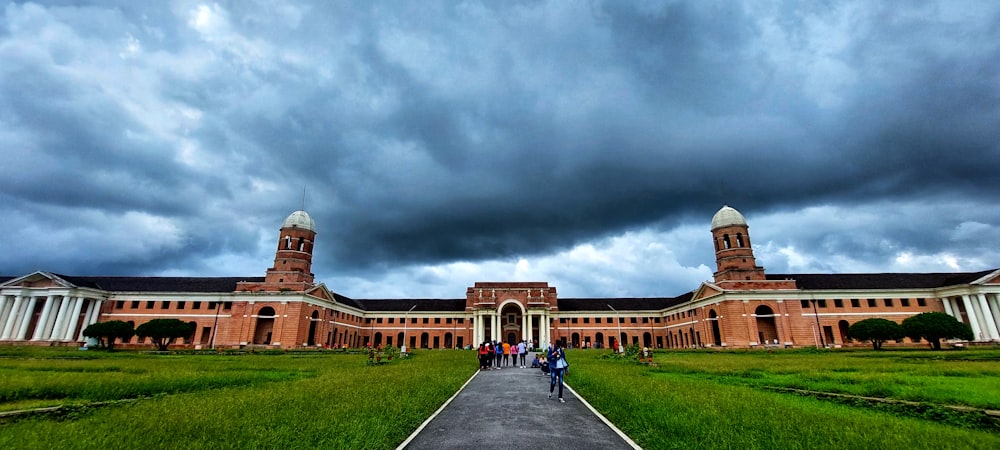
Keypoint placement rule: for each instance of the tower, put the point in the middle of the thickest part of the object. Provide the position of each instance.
(292, 268)
(733, 253)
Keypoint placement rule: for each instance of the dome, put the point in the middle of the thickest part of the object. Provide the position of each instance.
(726, 217)
(300, 219)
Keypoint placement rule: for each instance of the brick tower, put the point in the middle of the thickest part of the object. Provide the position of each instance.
(733, 254)
(292, 270)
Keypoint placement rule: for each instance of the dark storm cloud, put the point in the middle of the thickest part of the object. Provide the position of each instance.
(437, 132)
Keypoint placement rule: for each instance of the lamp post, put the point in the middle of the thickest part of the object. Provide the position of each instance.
(618, 319)
(819, 329)
(215, 327)
(405, 321)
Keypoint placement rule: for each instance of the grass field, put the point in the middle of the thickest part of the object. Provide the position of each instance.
(295, 400)
(335, 400)
(723, 400)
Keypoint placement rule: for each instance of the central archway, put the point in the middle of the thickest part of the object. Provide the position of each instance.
(264, 327)
(511, 313)
(767, 331)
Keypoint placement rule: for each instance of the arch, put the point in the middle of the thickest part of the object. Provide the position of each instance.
(378, 338)
(599, 340)
(716, 332)
(424, 340)
(509, 301)
(844, 326)
(399, 338)
(313, 319)
(767, 330)
(739, 240)
(288, 242)
(575, 340)
(725, 241)
(624, 339)
(448, 341)
(264, 326)
(190, 337)
(647, 339)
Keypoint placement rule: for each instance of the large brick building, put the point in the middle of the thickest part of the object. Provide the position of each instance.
(742, 307)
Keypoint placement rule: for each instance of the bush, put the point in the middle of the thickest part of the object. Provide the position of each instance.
(107, 332)
(163, 331)
(877, 331)
(935, 326)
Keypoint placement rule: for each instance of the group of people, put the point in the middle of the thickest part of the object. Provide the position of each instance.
(495, 355)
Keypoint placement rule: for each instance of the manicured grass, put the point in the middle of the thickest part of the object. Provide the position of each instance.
(716, 400)
(298, 400)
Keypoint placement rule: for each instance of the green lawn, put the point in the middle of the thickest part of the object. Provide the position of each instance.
(335, 400)
(720, 400)
(295, 400)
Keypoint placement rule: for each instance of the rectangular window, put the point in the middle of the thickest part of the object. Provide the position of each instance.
(632, 319)
(562, 320)
(437, 320)
(213, 305)
(904, 302)
(427, 320)
(392, 320)
(888, 303)
(656, 320)
(447, 320)
(413, 320)
(573, 320)
(597, 320)
(855, 303)
(181, 305)
(368, 320)
(165, 305)
(461, 321)
(921, 302)
(821, 303)
(196, 305)
(805, 304)
(510, 318)
(206, 335)
(838, 303)
(378, 320)
(119, 305)
(586, 320)
(871, 303)
(227, 305)
(134, 304)
(150, 304)
(645, 320)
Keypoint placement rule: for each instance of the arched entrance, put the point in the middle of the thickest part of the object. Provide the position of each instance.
(313, 319)
(599, 340)
(447, 340)
(264, 326)
(767, 331)
(510, 322)
(845, 336)
(575, 339)
(424, 340)
(713, 318)
(378, 339)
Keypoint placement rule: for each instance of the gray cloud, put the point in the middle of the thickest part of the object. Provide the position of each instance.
(426, 134)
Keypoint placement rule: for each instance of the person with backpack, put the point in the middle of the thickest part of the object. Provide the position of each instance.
(556, 357)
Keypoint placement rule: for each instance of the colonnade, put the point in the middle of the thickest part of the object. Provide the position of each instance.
(59, 319)
(982, 313)
(494, 318)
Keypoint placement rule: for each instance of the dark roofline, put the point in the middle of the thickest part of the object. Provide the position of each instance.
(886, 281)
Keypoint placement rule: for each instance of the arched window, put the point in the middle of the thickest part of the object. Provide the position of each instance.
(301, 244)
(739, 240)
(288, 242)
(725, 241)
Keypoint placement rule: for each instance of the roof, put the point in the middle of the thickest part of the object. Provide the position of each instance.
(159, 284)
(811, 281)
(418, 305)
(299, 219)
(622, 303)
(727, 216)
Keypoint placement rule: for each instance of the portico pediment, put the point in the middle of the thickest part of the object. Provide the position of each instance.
(38, 280)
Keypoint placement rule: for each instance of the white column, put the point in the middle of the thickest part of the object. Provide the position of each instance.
(994, 304)
(496, 327)
(74, 316)
(971, 313)
(524, 326)
(947, 308)
(5, 305)
(988, 321)
(44, 318)
(59, 327)
(477, 329)
(26, 320)
(86, 318)
(530, 328)
(51, 324)
(8, 326)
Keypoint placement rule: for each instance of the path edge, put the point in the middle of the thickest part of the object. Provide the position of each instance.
(445, 405)
(607, 422)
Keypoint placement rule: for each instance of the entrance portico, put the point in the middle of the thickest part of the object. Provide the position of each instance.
(519, 309)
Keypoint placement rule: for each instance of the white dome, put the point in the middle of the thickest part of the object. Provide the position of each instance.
(726, 217)
(300, 219)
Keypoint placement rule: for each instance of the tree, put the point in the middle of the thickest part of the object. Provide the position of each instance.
(877, 331)
(108, 332)
(163, 331)
(935, 326)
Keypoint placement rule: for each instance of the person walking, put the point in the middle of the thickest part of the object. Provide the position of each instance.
(499, 355)
(522, 351)
(557, 366)
(506, 354)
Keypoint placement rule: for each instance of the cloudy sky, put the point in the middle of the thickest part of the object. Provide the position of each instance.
(583, 143)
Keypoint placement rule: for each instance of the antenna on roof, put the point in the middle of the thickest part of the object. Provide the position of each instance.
(303, 198)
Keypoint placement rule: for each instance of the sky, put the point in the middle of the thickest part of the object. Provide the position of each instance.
(436, 144)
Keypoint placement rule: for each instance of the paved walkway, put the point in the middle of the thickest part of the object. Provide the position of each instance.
(509, 408)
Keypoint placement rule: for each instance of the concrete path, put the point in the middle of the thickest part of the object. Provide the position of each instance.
(509, 408)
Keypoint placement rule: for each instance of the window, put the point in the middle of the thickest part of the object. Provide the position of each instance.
(821, 303)
(437, 320)
(904, 302)
(447, 321)
(921, 302)
(656, 320)
(392, 319)
(196, 305)
(645, 320)
(855, 303)
(227, 305)
(838, 303)
(573, 320)
(597, 320)
(119, 305)
(510, 318)
(181, 305)
(562, 320)
(586, 320)
(134, 304)
(427, 320)
(805, 304)
(632, 319)
(213, 305)
(368, 320)
(871, 303)
(165, 305)
(888, 303)
(461, 321)
(378, 320)
(413, 320)
(150, 304)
